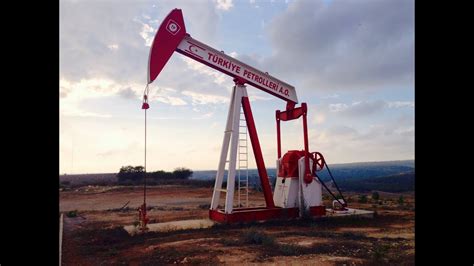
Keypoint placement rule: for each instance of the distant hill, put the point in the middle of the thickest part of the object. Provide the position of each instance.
(393, 183)
(390, 176)
(363, 170)
(339, 171)
(89, 179)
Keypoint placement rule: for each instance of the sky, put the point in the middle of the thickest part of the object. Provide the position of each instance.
(351, 61)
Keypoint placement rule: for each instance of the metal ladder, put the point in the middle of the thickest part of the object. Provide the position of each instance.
(243, 170)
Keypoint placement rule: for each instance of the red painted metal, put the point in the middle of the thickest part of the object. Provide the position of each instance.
(171, 35)
(289, 164)
(308, 177)
(145, 102)
(278, 133)
(142, 216)
(241, 215)
(290, 105)
(256, 85)
(317, 211)
(291, 114)
(257, 151)
(218, 60)
(318, 161)
(253, 214)
(167, 39)
(239, 81)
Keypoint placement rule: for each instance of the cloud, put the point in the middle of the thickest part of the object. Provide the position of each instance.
(175, 101)
(218, 77)
(330, 96)
(147, 33)
(96, 88)
(74, 93)
(343, 131)
(89, 33)
(341, 143)
(128, 93)
(400, 104)
(224, 4)
(75, 112)
(344, 44)
(358, 108)
(113, 47)
(99, 39)
(201, 98)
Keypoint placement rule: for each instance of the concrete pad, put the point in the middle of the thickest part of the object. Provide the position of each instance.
(172, 226)
(349, 212)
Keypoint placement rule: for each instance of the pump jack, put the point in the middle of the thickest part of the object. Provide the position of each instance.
(298, 189)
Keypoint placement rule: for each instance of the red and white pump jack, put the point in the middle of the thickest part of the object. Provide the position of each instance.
(298, 190)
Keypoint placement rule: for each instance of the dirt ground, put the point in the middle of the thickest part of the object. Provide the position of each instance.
(95, 216)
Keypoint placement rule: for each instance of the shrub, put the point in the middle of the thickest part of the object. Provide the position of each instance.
(204, 206)
(182, 173)
(255, 237)
(375, 195)
(289, 249)
(131, 174)
(71, 214)
(401, 200)
(380, 253)
(362, 199)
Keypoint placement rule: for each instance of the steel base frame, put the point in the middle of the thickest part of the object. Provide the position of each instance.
(243, 215)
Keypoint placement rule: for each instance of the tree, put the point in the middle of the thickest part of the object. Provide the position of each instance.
(375, 195)
(362, 199)
(131, 173)
(401, 200)
(182, 173)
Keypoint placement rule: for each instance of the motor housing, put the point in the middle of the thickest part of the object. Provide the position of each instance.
(290, 189)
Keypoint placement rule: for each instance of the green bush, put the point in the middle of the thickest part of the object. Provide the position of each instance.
(380, 254)
(401, 200)
(71, 214)
(362, 199)
(255, 237)
(132, 175)
(375, 195)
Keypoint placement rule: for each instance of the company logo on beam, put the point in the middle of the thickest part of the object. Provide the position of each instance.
(172, 27)
(235, 68)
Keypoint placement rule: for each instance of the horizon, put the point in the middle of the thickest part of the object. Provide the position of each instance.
(248, 169)
(351, 62)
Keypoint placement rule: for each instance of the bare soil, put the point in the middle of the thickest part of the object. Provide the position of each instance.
(96, 235)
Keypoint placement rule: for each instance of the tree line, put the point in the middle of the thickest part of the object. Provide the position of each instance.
(135, 174)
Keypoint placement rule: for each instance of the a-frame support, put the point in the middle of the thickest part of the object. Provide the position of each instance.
(231, 138)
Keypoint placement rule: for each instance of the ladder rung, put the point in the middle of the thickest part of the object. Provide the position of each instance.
(221, 190)
(243, 139)
(227, 131)
(242, 132)
(243, 146)
(242, 126)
